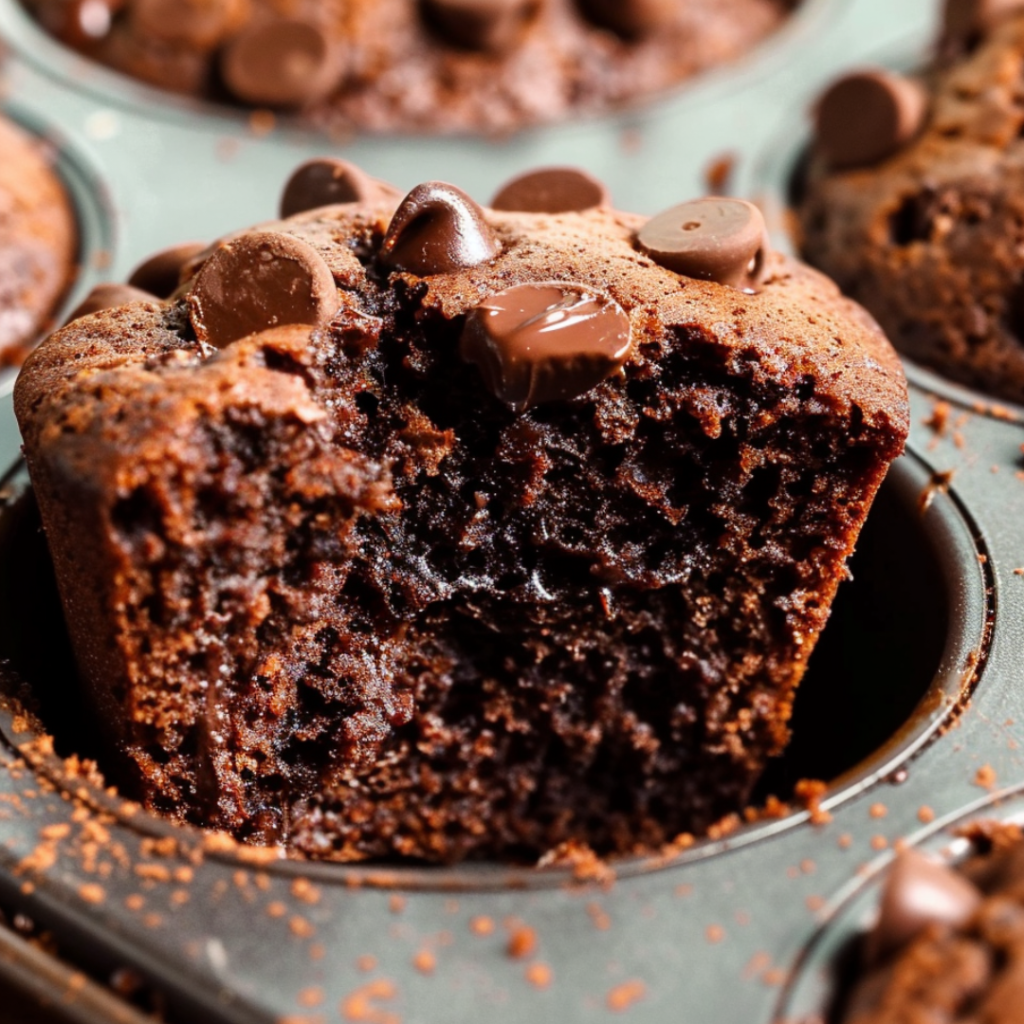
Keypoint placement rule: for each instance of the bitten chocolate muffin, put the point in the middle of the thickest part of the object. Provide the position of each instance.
(38, 239)
(914, 199)
(412, 528)
(414, 65)
(949, 944)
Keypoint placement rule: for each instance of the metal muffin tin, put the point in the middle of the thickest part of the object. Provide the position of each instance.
(912, 706)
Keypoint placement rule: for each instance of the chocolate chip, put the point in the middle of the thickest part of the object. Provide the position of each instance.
(161, 273)
(202, 24)
(193, 265)
(78, 23)
(257, 281)
(109, 296)
(867, 116)
(325, 181)
(965, 21)
(919, 892)
(713, 239)
(552, 190)
(631, 17)
(494, 25)
(282, 63)
(539, 343)
(438, 229)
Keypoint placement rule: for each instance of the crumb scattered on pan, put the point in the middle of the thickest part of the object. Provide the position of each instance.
(626, 995)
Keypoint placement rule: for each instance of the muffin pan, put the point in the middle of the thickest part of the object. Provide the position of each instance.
(909, 711)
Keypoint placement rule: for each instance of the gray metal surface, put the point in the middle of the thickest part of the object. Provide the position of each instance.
(709, 936)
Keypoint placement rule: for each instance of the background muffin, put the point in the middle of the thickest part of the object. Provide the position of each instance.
(415, 65)
(37, 239)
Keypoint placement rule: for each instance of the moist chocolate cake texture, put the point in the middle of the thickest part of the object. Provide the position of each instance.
(410, 528)
(414, 65)
(38, 239)
(949, 942)
(913, 203)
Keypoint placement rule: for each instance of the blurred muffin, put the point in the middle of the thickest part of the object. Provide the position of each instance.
(37, 239)
(949, 944)
(914, 199)
(414, 65)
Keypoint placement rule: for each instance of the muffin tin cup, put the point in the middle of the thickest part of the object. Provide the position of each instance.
(823, 970)
(902, 732)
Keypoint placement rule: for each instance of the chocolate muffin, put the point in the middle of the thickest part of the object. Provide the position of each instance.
(914, 204)
(38, 240)
(409, 528)
(949, 943)
(414, 65)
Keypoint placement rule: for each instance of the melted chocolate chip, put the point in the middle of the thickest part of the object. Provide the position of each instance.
(438, 229)
(109, 296)
(919, 892)
(494, 25)
(545, 342)
(713, 239)
(966, 21)
(283, 63)
(552, 190)
(867, 116)
(631, 17)
(325, 181)
(161, 274)
(258, 281)
(202, 24)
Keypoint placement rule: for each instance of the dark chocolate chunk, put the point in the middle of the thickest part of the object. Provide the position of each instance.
(326, 181)
(631, 17)
(201, 24)
(552, 190)
(438, 229)
(712, 239)
(109, 296)
(258, 281)
(161, 274)
(964, 21)
(283, 63)
(493, 25)
(867, 116)
(919, 892)
(539, 343)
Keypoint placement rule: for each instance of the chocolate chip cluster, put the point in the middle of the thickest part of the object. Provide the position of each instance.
(292, 60)
(532, 343)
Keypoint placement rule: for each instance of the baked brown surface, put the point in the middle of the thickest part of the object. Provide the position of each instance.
(411, 66)
(328, 590)
(931, 239)
(38, 239)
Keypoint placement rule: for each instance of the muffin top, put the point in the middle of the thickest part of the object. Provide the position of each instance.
(437, 254)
